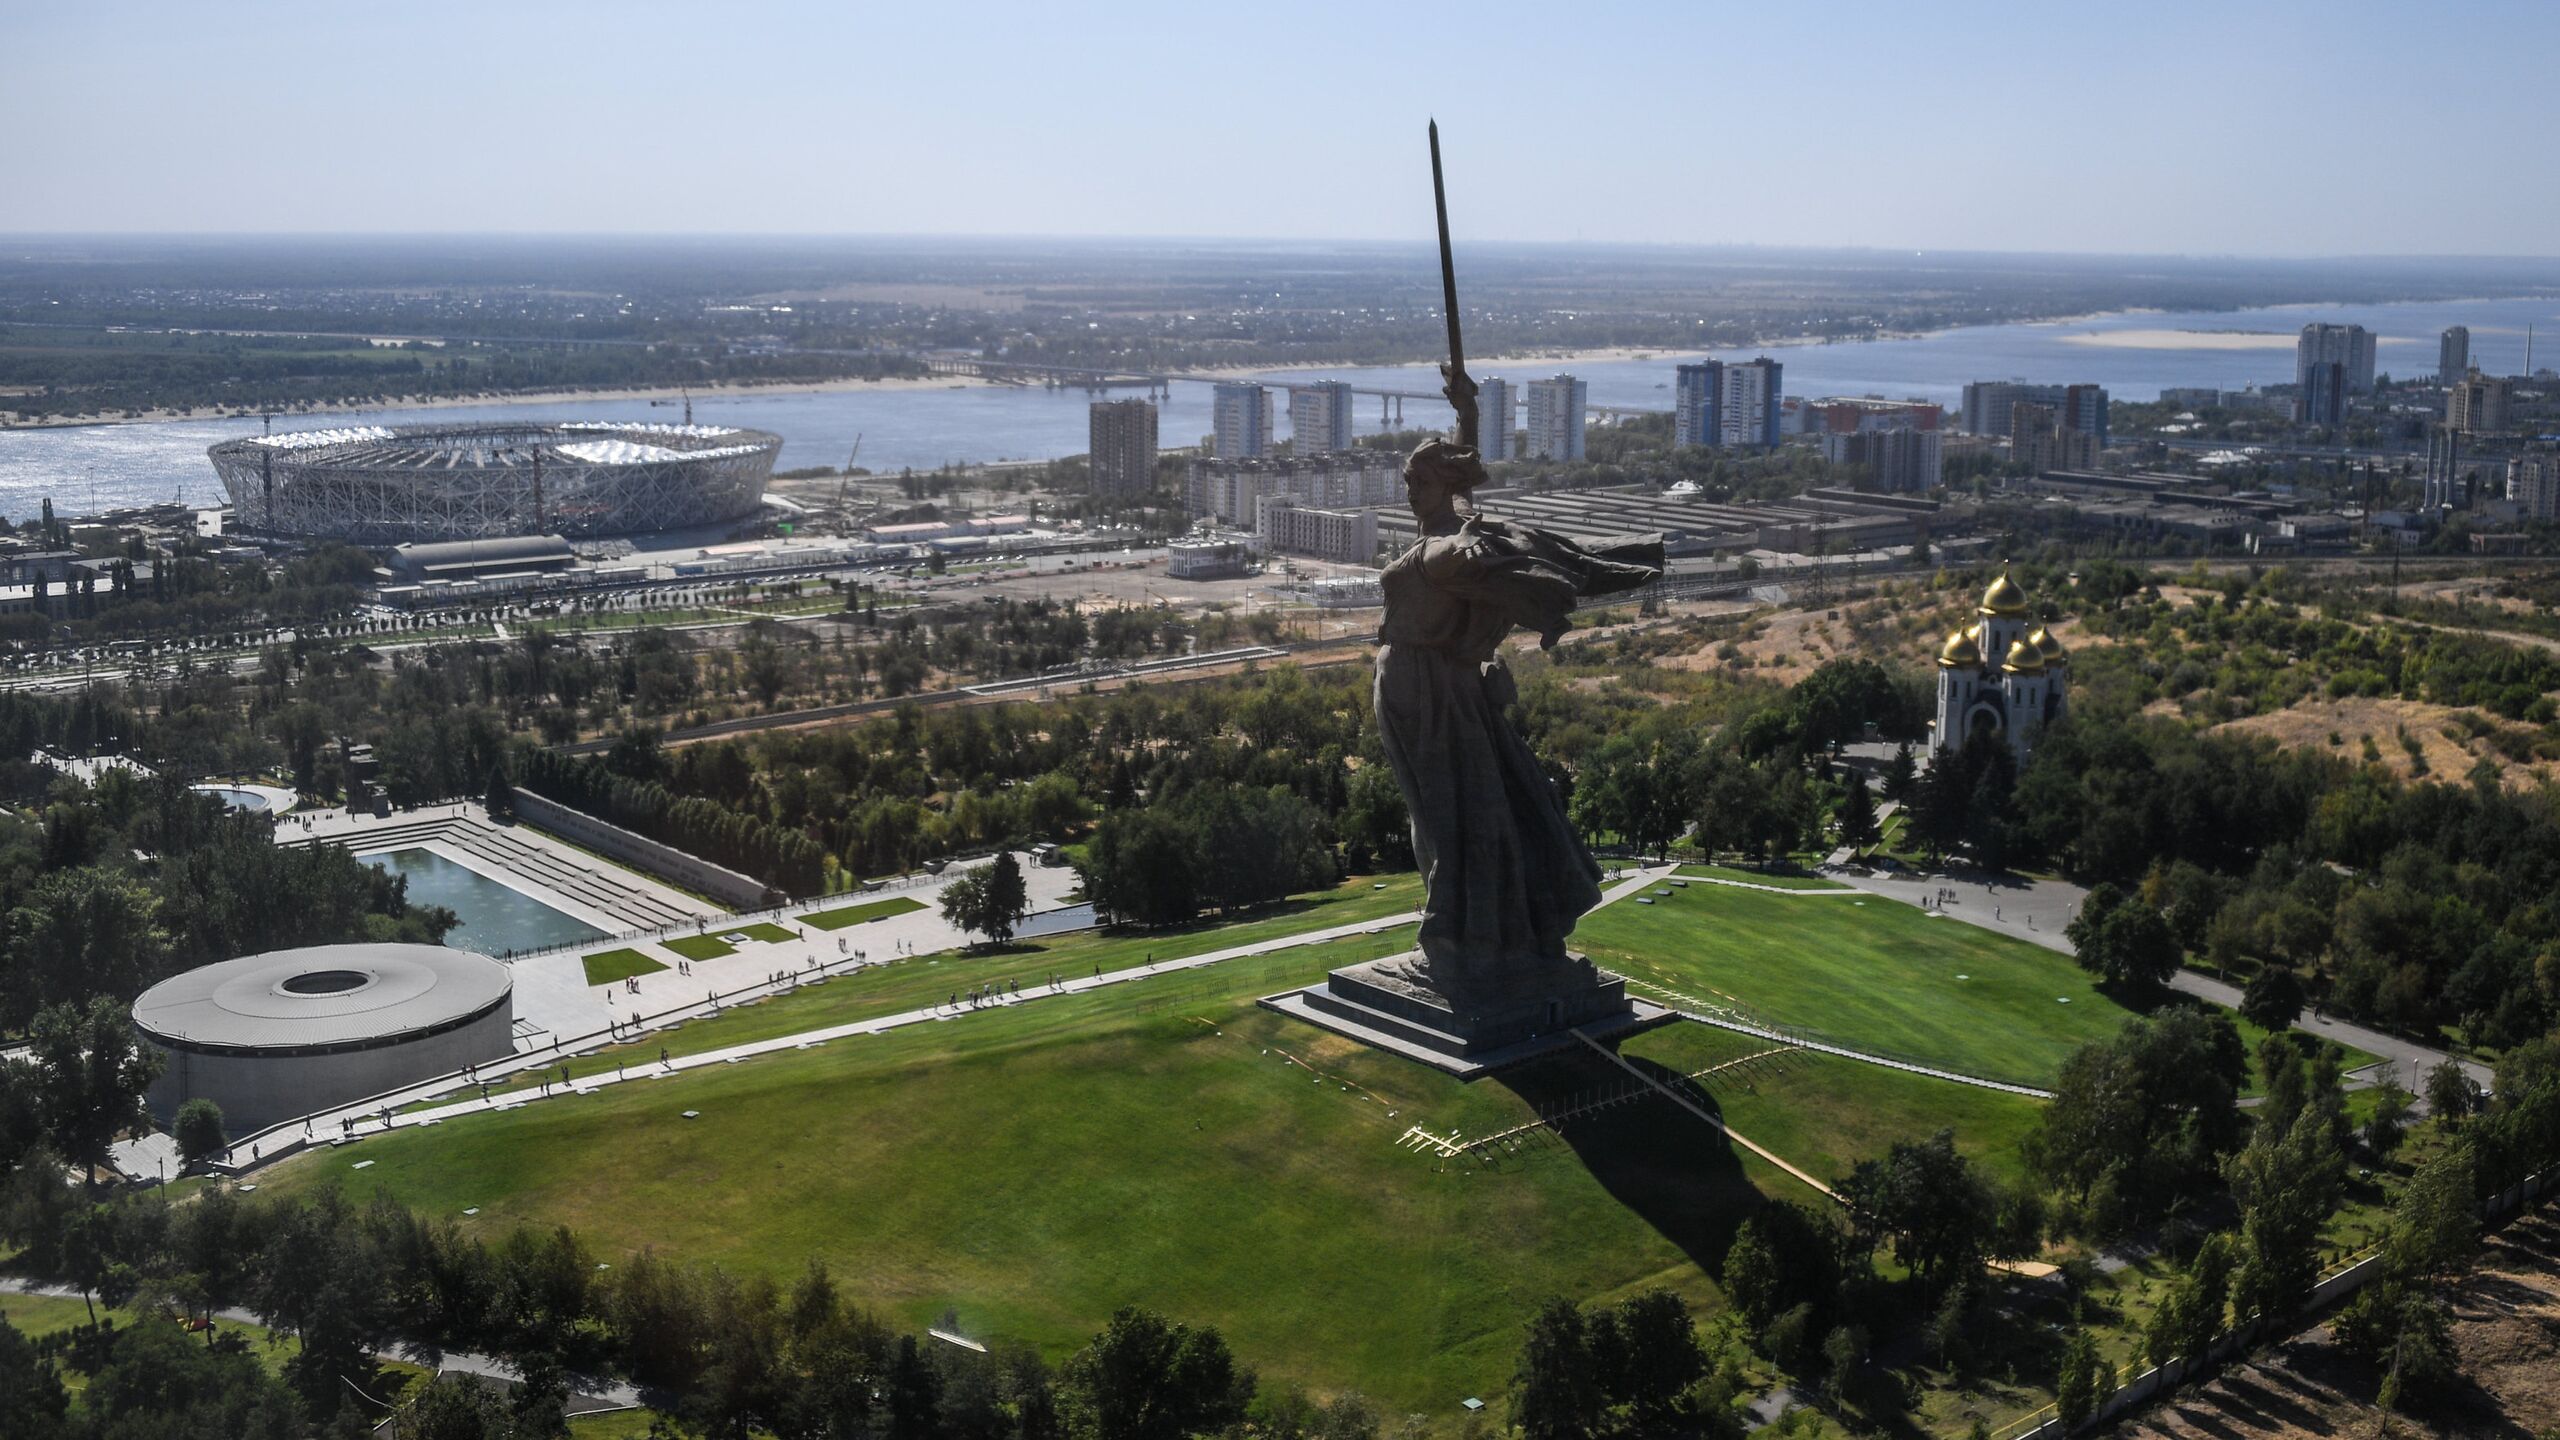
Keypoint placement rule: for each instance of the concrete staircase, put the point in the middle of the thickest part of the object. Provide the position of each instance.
(594, 882)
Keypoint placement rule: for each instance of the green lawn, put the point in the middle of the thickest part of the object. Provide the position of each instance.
(1823, 1113)
(1761, 877)
(842, 916)
(613, 1425)
(764, 930)
(700, 947)
(916, 982)
(606, 966)
(39, 1315)
(1163, 1142)
(1878, 975)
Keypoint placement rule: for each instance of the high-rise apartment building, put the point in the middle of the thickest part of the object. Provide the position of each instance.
(1899, 459)
(1240, 417)
(1226, 491)
(1122, 448)
(1556, 408)
(1320, 417)
(1728, 403)
(2477, 404)
(2533, 483)
(1495, 436)
(1987, 404)
(2444, 469)
(1695, 390)
(2453, 355)
(2321, 394)
(2349, 347)
(2042, 438)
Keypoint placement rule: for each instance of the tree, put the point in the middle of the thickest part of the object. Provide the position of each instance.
(2127, 942)
(32, 1403)
(1556, 1391)
(499, 799)
(2287, 1181)
(2075, 1385)
(198, 1130)
(990, 900)
(2388, 1124)
(1925, 1198)
(81, 932)
(1782, 1256)
(1901, 773)
(2272, 1000)
(91, 1074)
(2450, 1093)
(1857, 815)
(1147, 1378)
(2140, 1120)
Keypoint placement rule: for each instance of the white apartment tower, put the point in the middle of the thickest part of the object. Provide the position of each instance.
(1747, 403)
(1240, 417)
(1495, 437)
(1320, 417)
(1556, 408)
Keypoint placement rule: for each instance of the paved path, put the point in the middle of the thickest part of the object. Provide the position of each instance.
(2036, 911)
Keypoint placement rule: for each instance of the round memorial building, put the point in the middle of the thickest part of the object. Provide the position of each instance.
(274, 1036)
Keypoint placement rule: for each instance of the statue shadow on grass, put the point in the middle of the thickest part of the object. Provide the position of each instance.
(1672, 1170)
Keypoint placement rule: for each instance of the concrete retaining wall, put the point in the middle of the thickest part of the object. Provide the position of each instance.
(738, 892)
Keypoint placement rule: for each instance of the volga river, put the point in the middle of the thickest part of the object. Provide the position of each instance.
(97, 467)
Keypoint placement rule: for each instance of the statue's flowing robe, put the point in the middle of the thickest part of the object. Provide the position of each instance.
(1504, 876)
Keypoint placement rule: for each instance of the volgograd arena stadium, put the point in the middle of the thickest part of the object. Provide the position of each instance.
(392, 485)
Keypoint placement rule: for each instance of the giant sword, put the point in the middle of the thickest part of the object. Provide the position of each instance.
(1460, 390)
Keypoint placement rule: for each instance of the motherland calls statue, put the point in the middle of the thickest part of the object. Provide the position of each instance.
(1504, 877)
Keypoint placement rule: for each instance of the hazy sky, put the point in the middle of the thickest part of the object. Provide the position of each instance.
(2316, 128)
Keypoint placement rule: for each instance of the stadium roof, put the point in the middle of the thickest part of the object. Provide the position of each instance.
(323, 997)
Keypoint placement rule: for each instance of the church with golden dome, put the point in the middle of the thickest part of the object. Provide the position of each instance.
(2004, 674)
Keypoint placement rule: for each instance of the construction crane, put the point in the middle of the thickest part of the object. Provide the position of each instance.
(846, 483)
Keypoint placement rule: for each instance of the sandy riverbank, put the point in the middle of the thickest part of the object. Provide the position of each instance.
(528, 397)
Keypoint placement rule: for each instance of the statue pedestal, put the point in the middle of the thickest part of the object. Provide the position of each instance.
(1380, 1003)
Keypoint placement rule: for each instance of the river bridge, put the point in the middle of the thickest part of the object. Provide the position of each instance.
(1159, 384)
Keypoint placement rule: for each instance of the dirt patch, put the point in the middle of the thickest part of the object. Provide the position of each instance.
(2311, 723)
(2506, 1329)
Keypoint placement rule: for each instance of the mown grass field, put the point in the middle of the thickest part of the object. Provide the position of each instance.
(1166, 1142)
(606, 966)
(1874, 974)
(845, 915)
(1774, 880)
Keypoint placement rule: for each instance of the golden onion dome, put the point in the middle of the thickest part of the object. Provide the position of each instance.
(2004, 598)
(2046, 641)
(1961, 651)
(2023, 659)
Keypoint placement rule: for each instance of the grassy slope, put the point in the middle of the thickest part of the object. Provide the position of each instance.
(1036, 1166)
(1771, 879)
(1878, 975)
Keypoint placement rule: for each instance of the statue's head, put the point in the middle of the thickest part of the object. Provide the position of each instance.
(1437, 473)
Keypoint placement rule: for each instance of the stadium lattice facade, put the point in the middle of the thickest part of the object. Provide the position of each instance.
(391, 485)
